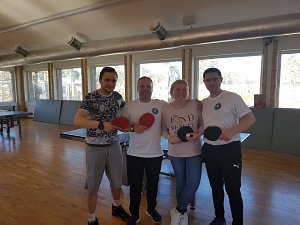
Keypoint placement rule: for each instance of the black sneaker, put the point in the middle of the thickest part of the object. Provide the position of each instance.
(118, 211)
(95, 222)
(133, 220)
(218, 221)
(156, 218)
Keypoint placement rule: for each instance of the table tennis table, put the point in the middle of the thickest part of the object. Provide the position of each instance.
(80, 134)
(10, 119)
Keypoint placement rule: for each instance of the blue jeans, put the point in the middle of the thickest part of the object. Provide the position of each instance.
(187, 172)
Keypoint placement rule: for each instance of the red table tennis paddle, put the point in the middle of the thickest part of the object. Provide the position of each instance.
(212, 133)
(121, 122)
(147, 119)
(183, 132)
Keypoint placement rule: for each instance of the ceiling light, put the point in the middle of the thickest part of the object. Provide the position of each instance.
(157, 28)
(21, 51)
(74, 43)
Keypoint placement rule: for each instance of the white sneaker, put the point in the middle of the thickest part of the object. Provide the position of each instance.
(176, 217)
(185, 219)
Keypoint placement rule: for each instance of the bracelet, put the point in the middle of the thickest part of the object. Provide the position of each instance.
(100, 125)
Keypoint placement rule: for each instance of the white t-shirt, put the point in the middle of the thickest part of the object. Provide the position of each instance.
(223, 111)
(147, 143)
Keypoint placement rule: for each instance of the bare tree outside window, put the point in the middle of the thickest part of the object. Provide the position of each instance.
(7, 84)
(163, 74)
(71, 83)
(289, 81)
(240, 75)
(38, 85)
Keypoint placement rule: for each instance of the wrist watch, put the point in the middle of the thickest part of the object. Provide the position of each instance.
(100, 126)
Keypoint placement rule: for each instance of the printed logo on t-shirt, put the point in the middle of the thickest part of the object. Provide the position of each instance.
(155, 110)
(178, 121)
(218, 106)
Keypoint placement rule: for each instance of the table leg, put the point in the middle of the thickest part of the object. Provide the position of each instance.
(1, 127)
(20, 130)
(8, 126)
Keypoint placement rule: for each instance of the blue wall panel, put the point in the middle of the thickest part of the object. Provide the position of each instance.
(47, 111)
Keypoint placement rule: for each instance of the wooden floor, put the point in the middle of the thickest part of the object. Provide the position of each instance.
(42, 178)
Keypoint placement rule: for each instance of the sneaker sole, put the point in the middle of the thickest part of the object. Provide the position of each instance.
(148, 214)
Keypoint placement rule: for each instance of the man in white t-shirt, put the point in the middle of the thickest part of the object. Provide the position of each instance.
(144, 152)
(223, 157)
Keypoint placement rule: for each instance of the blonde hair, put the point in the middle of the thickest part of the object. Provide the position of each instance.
(179, 82)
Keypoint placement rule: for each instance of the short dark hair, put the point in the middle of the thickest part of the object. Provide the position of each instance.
(107, 69)
(212, 70)
(144, 77)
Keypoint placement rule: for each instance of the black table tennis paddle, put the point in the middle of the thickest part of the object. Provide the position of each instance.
(183, 132)
(212, 133)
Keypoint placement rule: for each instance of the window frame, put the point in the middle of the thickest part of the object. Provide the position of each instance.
(14, 87)
(30, 86)
(95, 76)
(138, 72)
(59, 82)
(198, 76)
(283, 52)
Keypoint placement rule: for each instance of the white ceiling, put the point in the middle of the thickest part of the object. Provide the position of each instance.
(46, 24)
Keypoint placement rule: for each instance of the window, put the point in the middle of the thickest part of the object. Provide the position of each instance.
(289, 81)
(70, 84)
(7, 84)
(240, 75)
(163, 74)
(38, 85)
(120, 86)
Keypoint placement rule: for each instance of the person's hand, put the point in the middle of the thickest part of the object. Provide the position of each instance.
(109, 127)
(138, 128)
(174, 139)
(226, 135)
(194, 136)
